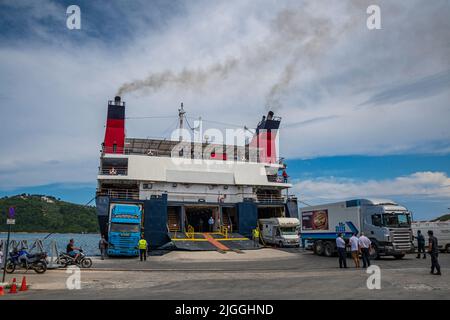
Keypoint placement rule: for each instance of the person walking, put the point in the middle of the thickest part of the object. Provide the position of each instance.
(354, 244)
(102, 246)
(255, 237)
(142, 249)
(340, 244)
(420, 245)
(200, 225)
(211, 224)
(433, 250)
(364, 245)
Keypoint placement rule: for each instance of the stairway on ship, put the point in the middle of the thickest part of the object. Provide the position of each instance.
(173, 220)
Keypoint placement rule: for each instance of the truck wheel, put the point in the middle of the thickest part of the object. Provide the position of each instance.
(374, 252)
(280, 244)
(328, 249)
(319, 248)
(399, 256)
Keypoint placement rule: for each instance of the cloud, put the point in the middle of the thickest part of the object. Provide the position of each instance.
(412, 90)
(425, 185)
(318, 56)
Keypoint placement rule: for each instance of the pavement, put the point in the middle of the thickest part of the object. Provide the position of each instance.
(254, 274)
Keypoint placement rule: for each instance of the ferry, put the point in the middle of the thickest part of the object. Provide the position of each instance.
(197, 195)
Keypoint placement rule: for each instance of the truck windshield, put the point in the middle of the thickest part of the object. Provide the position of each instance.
(396, 220)
(288, 231)
(125, 227)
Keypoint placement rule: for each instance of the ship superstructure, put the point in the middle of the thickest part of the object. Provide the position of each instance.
(182, 184)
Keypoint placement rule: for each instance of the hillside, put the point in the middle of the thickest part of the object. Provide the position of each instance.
(445, 217)
(39, 213)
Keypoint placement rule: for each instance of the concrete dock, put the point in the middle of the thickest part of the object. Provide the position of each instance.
(253, 274)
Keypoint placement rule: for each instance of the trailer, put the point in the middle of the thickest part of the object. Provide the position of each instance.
(384, 222)
(441, 230)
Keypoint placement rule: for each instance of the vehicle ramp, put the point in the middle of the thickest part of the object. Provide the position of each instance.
(211, 241)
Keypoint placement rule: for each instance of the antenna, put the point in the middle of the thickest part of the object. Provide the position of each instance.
(181, 114)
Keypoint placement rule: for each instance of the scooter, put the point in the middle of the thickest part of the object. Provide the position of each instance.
(82, 261)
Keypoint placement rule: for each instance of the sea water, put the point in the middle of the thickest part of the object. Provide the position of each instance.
(88, 242)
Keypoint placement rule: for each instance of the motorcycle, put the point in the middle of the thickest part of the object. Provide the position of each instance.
(22, 259)
(82, 261)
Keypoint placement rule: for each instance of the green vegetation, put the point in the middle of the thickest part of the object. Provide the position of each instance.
(445, 217)
(39, 213)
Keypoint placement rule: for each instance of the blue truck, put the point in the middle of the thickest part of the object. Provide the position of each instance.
(124, 230)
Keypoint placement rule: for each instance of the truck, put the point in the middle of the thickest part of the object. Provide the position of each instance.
(283, 232)
(441, 230)
(386, 223)
(124, 231)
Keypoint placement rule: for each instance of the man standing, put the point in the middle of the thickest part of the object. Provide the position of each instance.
(211, 224)
(433, 250)
(340, 244)
(420, 244)
(143, 249)
(354, 243)
(285, 176)
(364, 244)
(102, 246)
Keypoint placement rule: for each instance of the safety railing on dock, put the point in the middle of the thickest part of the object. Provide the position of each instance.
(224, 231)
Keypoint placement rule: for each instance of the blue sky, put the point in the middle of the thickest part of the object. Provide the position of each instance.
(365, 113)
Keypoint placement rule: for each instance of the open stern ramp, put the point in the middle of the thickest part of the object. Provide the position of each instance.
(211, 241)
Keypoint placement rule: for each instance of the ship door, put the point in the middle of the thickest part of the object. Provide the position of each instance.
(198, 216)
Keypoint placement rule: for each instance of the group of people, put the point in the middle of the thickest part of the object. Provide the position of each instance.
(361, 246)
(358, 246)
(433, 250)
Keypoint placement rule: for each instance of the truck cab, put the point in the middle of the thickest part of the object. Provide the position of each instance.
(283, 232)
(388, 225)
(124, 229)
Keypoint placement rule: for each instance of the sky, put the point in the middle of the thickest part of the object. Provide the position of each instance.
(364, 112)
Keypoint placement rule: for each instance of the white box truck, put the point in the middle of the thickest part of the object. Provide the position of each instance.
(441, 230)
(283, 232)
(384, 222)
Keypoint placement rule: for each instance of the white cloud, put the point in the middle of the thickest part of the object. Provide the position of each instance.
(425, 185)
(54, 93)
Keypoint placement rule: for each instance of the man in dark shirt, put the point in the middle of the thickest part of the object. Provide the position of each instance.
(420, 244)
(433, 250)
(73, 251)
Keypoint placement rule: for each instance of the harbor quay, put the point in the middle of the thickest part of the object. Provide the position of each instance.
(266, 274)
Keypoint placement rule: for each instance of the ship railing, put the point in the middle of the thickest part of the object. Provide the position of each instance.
(113, 171)
(167, 153)
(125, 194)
(271, 199)
(278, 179)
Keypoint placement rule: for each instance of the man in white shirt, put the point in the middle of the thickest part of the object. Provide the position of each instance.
(354, 243)
(364, 244)
(340, 244)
